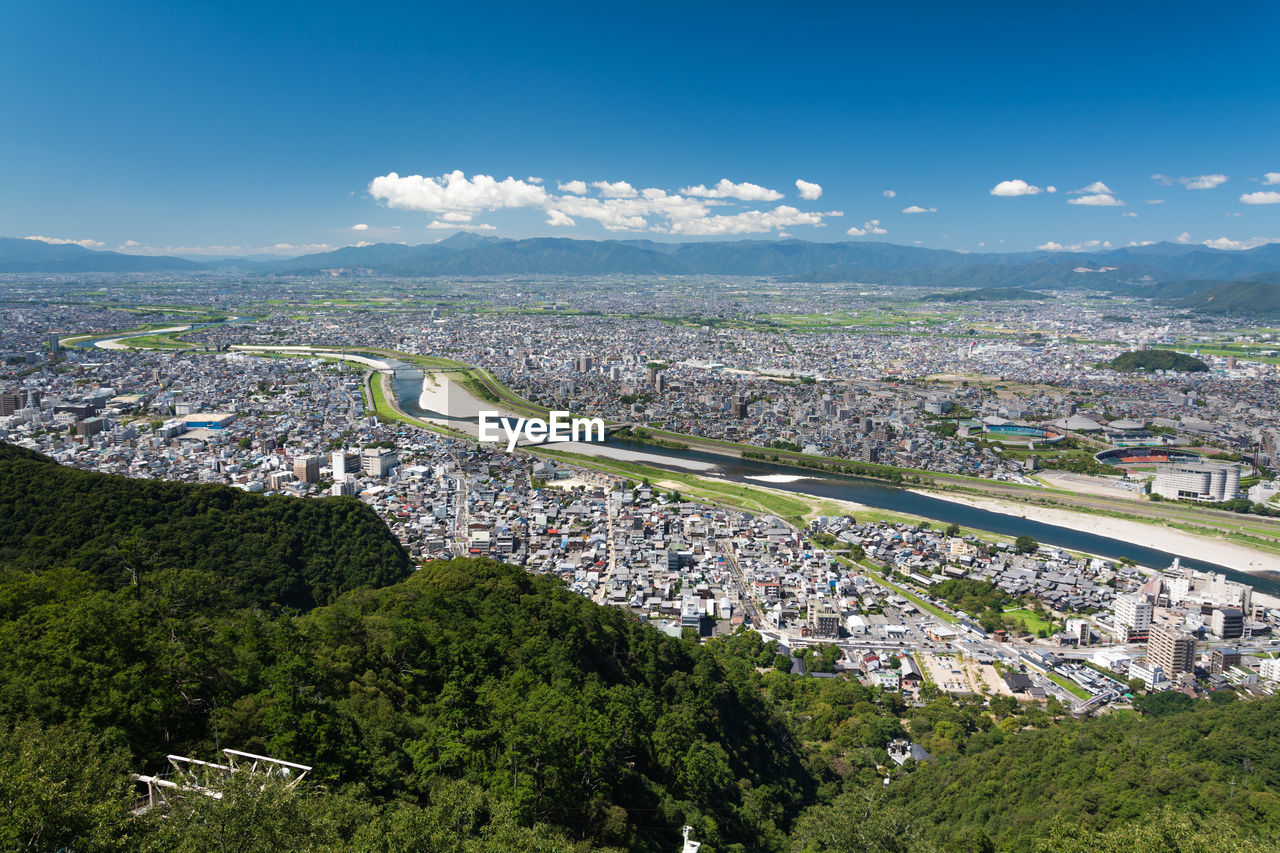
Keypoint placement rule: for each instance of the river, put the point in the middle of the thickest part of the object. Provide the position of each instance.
(872, 493)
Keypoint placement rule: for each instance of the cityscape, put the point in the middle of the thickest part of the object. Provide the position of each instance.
(755, 479)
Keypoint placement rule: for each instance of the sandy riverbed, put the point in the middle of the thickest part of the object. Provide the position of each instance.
(440, 393)
(1230, 554)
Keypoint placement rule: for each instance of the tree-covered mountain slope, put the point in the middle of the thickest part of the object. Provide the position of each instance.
(271, 550)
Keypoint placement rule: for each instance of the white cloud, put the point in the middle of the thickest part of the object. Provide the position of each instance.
(1097, 200)
(808, 191)
(1130, 214)
(438, 225)
(1184, 237)
(533, 180)
(1051, 189)
(1271, 178)
(1155, 201)
(360, 227)
(1142, 242)
(915, 208)
(1261, 197)
(1203, 182)
(616, 189)
(456, 200)
(1095, 187)
(1052, 246)
(1237, 245)
(454, 192)
(362, 244)
(728, 189)
(1016, 187)
(1162, 180)
(62, 241)
(629, 214)
(889, 193)
(678, 214)
(751, 221)
(871, 226)
(287, 249)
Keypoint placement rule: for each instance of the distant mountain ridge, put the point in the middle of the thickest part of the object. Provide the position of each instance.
(1127, 269)
(794, 260)
(1256, 298)
(21, 255)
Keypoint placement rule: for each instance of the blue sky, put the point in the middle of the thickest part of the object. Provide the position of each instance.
(230, 128)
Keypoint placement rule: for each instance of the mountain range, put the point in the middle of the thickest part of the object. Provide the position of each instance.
(37, 256)
(1144, 269)
(1256, 298)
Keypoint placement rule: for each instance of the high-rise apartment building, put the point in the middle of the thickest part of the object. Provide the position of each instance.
(307, 468)
(1227, 623)
(1171, 650)
(344, 462)
(377, 461)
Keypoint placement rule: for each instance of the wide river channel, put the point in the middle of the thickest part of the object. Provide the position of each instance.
(875, 494)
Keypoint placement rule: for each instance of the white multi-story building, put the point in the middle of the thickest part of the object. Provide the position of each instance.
(1227, 623)
(1197, 481)
(377, 461)
(1152, 675)
(1269, 669)
(1187, 586)
(1134, 612)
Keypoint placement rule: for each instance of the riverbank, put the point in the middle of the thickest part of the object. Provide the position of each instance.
(1221, 551)
(769, 497)
(440, 393)
(117, 343)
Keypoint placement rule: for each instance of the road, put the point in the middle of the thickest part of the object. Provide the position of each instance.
(745, 595)
(611, 516)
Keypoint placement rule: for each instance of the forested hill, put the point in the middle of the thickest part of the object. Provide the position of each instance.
(1217, 761)
(1244, 298)
(477, 708)
(474, 697)
(270, 550)
(1136, 361)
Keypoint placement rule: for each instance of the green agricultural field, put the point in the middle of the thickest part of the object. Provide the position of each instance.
(1240, 352)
